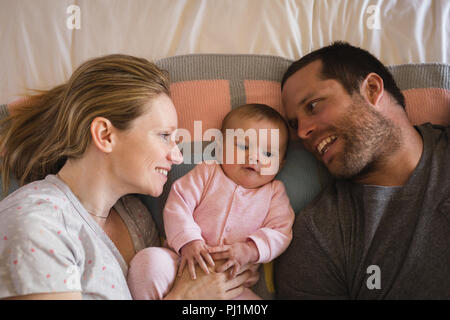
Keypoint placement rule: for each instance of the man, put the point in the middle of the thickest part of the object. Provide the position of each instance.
(381, 229)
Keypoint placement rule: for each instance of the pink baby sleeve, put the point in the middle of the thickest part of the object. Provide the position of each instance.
(276, 233)
(184, 197)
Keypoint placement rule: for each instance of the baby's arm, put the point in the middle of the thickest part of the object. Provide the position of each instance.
(182, 232)
(275, 233)
(267, 242)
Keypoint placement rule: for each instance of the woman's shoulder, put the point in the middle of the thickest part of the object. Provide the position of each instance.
(34, 201)
(42, 189)
(36, 244)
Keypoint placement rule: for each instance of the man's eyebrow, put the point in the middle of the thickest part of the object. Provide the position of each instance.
(303, 101)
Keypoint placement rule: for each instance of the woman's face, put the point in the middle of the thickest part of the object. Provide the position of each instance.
(145, 153)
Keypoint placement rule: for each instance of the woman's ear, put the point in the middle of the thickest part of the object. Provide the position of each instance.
(372, 88)
(102, 134)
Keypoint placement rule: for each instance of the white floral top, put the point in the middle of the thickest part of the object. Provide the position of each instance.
(49, 243)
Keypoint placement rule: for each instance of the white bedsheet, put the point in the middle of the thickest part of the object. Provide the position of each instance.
(40, 51)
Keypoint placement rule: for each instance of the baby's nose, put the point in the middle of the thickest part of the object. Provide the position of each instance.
(253, 156)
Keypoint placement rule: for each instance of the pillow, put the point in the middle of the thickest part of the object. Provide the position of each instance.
(426, 88)
(205, 87)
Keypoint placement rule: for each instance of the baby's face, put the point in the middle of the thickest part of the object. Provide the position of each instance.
(253, 151)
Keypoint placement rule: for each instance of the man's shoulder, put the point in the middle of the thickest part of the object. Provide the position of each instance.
(436, 140)
(324, 209)
(437, 134)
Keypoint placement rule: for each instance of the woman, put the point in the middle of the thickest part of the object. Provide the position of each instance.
(70, 234)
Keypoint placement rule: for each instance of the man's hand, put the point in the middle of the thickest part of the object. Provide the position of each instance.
(238, 255)
(195, 251)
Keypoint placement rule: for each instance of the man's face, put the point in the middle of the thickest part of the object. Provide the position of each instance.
(343, 131)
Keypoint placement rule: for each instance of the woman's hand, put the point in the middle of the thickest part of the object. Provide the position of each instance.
(195, 251)
(254, 274)
(212, 286)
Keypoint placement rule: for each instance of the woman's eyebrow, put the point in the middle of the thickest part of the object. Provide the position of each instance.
(167, 128)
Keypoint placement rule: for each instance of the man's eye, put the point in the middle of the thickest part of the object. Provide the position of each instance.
(311, 106)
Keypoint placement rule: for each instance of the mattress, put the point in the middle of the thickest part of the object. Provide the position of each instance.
(44, 41)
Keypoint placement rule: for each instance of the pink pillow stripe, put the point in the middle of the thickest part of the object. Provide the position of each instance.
(201, 100)
(428, 105)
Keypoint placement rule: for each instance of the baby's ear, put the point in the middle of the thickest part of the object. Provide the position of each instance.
(218, 150)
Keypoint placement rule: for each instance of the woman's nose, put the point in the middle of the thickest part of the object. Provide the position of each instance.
(175, 155)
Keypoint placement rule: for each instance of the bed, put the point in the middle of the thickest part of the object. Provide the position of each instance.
(236, 51)
(42, 45)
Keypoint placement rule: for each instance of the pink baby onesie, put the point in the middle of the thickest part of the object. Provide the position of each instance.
(206, 205)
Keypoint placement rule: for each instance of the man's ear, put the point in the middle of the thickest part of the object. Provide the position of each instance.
(372, 88)
(102, 134)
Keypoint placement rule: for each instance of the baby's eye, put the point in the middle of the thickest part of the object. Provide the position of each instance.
(267, 154)
(242, 146)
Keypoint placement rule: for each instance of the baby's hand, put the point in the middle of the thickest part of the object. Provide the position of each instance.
(238, 254)
(193, 251)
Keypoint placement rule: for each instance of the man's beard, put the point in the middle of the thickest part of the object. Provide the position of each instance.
(368, 138)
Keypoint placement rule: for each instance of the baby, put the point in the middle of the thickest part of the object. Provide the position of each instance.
(233, 207)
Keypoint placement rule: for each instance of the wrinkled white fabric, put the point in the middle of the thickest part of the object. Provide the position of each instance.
(40, 51)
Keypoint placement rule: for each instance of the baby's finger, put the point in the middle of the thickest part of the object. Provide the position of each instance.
(208, 258)
(218, 249)
(181, 267)
(202, 264)
(191, 266)
(225, 266)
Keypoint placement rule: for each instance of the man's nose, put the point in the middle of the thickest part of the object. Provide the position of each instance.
(305, 128)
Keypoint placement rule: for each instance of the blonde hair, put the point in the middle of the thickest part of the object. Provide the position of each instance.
(38, 138)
